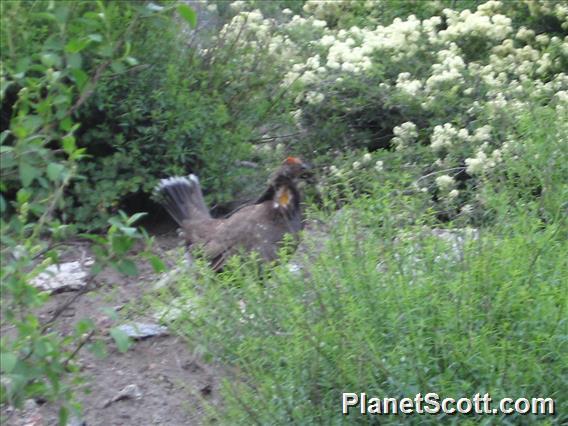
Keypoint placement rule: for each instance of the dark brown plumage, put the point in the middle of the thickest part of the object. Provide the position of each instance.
(258, 227)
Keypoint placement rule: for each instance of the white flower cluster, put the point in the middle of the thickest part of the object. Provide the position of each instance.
(449, 70)
(444, 137)
(482, 163)
(405, 135)
(314, 97)
(406, 84)
(482, 23)
(445, 182)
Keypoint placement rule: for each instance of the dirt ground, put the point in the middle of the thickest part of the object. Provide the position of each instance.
(168, 385)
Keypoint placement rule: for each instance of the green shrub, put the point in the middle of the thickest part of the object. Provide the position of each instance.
(186, 107)
(394, 311)
(66, 48)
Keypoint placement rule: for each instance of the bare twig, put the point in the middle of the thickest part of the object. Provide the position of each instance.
(249, 164)
(272, 138)
(63, 307)
(83, 342)
(438, 172)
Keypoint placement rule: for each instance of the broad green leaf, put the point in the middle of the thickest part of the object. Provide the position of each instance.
(23, 195)
(8, 362)
(80, 77)
(135, 218)
(28, 173)
(69, 144)
(74, 60)
(154, 7)
(41, 348)
(131, 61)
(3, 136)
(63, 415)
(54, 171)
(121, 244)
(50, 59)
(157, 263)
(106, 51)
(188, 14)
(76, 45)
(32, 123)
(97, 348)
(117, 67)
(61, 13)
(94, 238)
(121, 339)
(66, 124)
(23, 64)
(83, 326)
(127, 267)
(95, 37)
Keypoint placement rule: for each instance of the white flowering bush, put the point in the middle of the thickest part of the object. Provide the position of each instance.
(442, 91)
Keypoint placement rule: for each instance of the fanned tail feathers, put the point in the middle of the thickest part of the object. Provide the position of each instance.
(182, 198)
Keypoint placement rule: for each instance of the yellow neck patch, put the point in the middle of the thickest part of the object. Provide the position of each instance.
(284, 197)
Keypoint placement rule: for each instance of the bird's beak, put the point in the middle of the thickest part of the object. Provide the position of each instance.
(307, 171)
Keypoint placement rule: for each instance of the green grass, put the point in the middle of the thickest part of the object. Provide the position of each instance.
(493, 322)
(392, 310)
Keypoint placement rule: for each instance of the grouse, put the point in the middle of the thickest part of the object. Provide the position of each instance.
(258, 227)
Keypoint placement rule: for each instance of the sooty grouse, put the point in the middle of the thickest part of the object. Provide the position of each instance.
(258, 227)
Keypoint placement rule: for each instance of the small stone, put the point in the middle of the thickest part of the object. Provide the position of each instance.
(68, 276)
(129, 392)
(30, 405)
(139, 331)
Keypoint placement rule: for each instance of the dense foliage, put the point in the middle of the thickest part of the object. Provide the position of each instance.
(53, 56)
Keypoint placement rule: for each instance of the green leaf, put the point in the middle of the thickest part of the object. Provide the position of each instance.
(83, 326)
(4, 135)
(127, 267)
(32, 123)
(63, 415)
(95, 37)
(117, 67)
(121, 244)
(156, 263)
(188, 14)
(80, 77)
(154, 7)
(50, 59)
(121, 339)
(23, 195)
(74, 60)
(97, 348)
(69, 144)
(135, 217)
(66, 124)
(55, 171)
(76, 45)
(27, 173)
(131, 61)
(8, 361)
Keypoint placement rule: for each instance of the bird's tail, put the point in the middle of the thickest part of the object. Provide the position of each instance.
(182, 198)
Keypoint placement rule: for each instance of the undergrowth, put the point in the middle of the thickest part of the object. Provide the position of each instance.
(386, 306)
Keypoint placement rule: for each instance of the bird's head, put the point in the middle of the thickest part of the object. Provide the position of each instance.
(294, 167)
